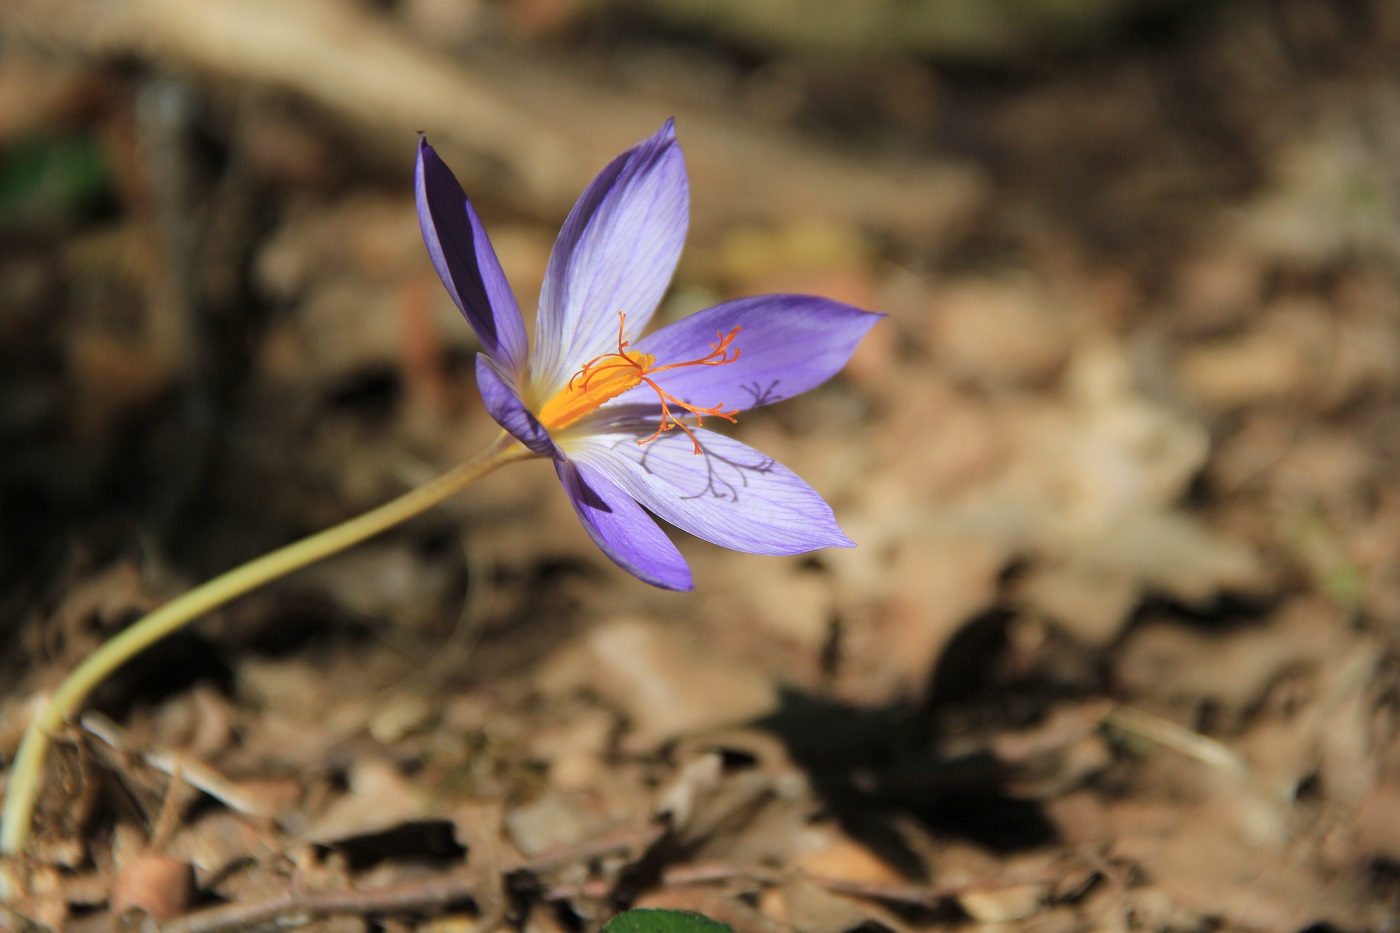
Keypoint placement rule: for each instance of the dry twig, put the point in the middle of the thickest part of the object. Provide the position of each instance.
(434, 893)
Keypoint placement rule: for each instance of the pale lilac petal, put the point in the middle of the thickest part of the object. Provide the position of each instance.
(789, 344)
(622, 529)
(729, 493)
(616, 253)
(467, 264)
(505, 406)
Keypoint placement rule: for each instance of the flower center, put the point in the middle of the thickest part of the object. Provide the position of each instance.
(605, 377)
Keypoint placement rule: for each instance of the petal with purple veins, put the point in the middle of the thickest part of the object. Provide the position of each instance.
(789, 344)
(616, 253)
(621, 528)
(729, 494)
(467, 264)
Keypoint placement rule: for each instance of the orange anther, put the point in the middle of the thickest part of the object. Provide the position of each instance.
(605, 377)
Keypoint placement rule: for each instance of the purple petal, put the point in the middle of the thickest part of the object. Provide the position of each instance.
(789, 344)
(616, 253)
(467, 264)
(620, 527)
(729, 493)
(510, 412)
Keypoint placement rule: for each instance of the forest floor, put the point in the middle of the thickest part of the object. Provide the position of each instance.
(1117, 648)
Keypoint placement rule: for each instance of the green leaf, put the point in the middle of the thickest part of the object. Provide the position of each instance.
(663, 921)
(44, 175)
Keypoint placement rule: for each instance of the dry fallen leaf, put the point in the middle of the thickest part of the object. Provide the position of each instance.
(661, 681)
(997, 334)
(1230, 670)
(378, 798)
(157, 884)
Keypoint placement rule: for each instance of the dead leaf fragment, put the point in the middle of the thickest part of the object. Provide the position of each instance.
(554, 820)
(998, 334)
(988, 898)
(666, 685)
(748, 816)
(161, 886)
(809, 907)
(1202, 862)
(1171, 663)
(828, 853)
(1003, 904)
(1274, 362)
(379, 798)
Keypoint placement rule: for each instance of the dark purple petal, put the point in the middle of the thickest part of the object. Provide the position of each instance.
(510, 412)
(621, 528)
(789, 344)
(467, 264)
(616, 253)
(729, 493)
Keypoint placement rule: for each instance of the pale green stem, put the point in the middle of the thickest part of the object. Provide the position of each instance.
(28, 766)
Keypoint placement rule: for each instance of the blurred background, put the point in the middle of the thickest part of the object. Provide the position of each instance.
(1117, 646)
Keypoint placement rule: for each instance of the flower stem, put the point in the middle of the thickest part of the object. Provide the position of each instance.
(23, 790)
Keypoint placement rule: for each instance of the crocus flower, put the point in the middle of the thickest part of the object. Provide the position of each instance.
(621, 415)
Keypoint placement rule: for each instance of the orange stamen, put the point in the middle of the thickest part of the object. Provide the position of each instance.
(605, 377)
